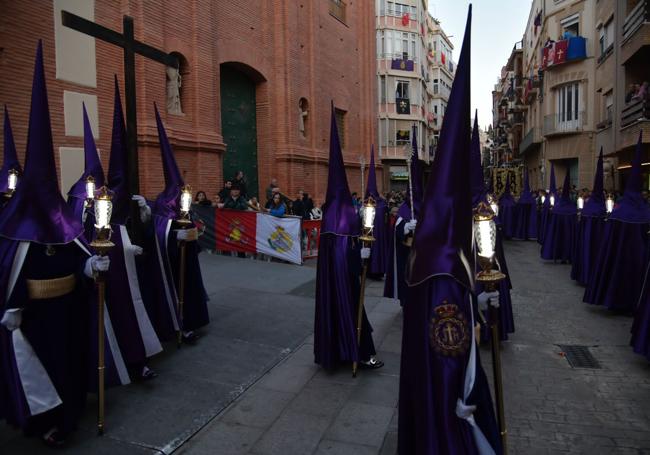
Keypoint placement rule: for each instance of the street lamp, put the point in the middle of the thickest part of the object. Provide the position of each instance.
(485, 234)
(102, 244)
(368, 221)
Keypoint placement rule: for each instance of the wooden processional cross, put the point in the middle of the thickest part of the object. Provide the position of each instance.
(126, 40)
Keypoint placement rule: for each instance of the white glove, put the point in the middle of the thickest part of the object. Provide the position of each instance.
(12, 319)
(96, 264)
(136, 250)
(365, 253)
(409, 226)
(491, 298)
(145, 210)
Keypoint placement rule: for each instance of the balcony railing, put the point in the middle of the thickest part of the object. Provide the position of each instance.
(636, 18)
(564, 124)
(635, 111)
(531, 138)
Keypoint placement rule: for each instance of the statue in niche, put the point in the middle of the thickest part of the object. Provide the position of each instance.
(173, 91)
(302, 116)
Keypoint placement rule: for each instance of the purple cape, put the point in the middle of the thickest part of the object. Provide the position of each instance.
(559, 238)
(507, 206)
(526, 214)
(641, 327)
(546, 207)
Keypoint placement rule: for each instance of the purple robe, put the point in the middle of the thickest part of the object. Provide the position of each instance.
(589, 238)
(641, 327)
(379, 249)
(337, 304)
(395, 285)
(440, 373)
(525, 214)
(507, 207)
(560, 237)
(616, 280)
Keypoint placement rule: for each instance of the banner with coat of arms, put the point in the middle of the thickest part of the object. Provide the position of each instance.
(500, 176)
(255, 232)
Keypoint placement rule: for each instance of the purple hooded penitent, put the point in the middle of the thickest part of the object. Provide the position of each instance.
(546, 208)
(379, 250)
(526, 213)
(37, 204)
(616, 281)
(10, 158)
(444, 403)
(479, 194)
(561, 226)
(92, 168)
(507, 206)
(337, 273)
(166, 209)
(118, 164)
(395, 284)
(590, 229)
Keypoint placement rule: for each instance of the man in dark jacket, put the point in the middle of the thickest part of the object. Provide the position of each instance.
(236, 201)
(307, 205)
(298, 205)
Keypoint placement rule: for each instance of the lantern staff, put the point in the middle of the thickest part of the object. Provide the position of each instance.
(184, 222)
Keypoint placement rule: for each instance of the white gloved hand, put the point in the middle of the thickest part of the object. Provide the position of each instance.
(365, 253)
(485, 298)
(136, 250)
(96, 264)
(145, 210)
(409, 226)
(12, 319)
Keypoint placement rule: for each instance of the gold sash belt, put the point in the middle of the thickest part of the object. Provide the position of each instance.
(49, 289)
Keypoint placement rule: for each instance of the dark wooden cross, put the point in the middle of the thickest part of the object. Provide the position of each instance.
(126, 40)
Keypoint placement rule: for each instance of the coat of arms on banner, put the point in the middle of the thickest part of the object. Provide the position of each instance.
(280, 240)
(235, 232)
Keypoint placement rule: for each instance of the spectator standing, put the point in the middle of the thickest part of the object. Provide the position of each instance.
(225, 191)
(240, 181)
(236, 200)
(307, 206)
(269, 189)
(299, 206)
(277, 207)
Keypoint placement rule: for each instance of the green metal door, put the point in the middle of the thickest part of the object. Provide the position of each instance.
(238, 127)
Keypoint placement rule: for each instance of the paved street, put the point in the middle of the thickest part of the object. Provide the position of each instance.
(250, 386)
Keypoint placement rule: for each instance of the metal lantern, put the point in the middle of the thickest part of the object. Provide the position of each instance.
(90, 188)
(368, 219)
(552, 200)
(580, 202)
(185, 205)
(12, 180)
(543, 198)
(103, 208)
(609, 203)
(485, 234)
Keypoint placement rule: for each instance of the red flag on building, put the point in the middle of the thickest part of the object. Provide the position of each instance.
(561, 48)
(443, 59)
(406, 19)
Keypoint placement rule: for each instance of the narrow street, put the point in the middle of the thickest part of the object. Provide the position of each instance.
(250, 386)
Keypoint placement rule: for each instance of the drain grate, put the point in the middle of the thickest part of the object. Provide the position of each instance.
(579, 356)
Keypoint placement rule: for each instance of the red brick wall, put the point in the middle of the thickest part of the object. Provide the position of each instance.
(295, 49)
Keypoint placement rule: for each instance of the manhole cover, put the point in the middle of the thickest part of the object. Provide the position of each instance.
(579, 356)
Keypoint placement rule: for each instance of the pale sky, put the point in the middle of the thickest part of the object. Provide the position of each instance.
(496, 26)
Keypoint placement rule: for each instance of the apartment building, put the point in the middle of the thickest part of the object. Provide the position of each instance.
(415, 72)
(584, 65)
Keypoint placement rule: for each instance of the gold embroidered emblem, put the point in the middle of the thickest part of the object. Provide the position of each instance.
(448, 331)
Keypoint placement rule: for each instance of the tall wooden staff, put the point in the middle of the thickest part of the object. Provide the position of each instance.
(369, 208)
(102, 245)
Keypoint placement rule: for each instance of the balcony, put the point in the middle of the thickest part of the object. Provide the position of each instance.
(557, 124)
(636, 30)
(564, 51)
(636, 111)
(530, 141)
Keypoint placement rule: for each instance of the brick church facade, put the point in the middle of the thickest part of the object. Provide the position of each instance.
(249, 71)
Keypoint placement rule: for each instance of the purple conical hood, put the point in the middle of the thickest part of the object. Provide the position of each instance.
(478, 183)
(92, 164)
(167, 202)
(595, 205)
(339, 216)
(118, 163)
(371, 187)
(632, 208)
(526, 196)
(10, 160)
(416, 182)
(37, 211)
(444, 232)
(565, 206)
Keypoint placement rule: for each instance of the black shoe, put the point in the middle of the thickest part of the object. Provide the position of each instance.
(191, 338)
(371, 364)
(148, 374)
(53, 438)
